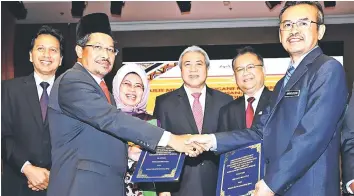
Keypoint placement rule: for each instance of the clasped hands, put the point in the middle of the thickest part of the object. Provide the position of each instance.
(37, 177)
(191, 145)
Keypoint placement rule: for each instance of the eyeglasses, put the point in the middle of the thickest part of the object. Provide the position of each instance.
(300, 24)
(130, 85)
(98, 48)
(249, 67)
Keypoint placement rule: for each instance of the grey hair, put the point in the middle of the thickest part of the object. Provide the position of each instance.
(83, 40)
(320, 15)
(194, 49)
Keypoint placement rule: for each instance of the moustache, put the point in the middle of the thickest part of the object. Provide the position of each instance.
(295, 36)
(103, 61)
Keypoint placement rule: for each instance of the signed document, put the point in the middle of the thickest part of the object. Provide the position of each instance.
(240, 170)
(163, 166)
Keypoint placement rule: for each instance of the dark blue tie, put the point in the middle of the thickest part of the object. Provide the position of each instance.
(44, 99)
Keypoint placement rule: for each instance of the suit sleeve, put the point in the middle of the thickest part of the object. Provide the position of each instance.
(79, 98)
(326, 103)
(348, 143)
(12, 152)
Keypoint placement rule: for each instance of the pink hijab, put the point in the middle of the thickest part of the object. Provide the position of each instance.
(117, 80)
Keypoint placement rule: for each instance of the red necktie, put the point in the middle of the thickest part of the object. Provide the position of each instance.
(249, 112)
(197, 111)
(105, 90)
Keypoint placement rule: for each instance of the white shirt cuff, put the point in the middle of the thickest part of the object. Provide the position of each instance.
(348, 188)
(166, 136)
(26, 163)
(213, 142)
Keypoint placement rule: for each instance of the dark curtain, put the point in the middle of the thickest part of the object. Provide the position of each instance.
(8, 24)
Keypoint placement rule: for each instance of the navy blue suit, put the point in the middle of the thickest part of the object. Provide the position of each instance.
(348, 144)
(301, 129)
(88, 136)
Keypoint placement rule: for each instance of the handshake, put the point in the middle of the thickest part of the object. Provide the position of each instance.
(192, 145)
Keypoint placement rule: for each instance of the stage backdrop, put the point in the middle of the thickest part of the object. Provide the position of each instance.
(165, 76)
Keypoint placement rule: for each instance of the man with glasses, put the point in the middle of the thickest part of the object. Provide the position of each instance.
(249, 75)
(301, 128)
(88, 133)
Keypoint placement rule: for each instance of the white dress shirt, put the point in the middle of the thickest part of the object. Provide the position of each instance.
(257, 97)
(348, 188)
(191, 98)
(38, 81)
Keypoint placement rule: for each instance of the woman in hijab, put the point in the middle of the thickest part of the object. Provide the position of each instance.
(131, 91)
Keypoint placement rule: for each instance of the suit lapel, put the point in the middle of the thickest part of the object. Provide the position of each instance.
(240, 113)
(298, 73)
(32, 98)
(208, 111)
(186, 110)
(263, 101)
(81, 68)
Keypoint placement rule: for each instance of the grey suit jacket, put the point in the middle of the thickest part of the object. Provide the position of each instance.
(88, 137)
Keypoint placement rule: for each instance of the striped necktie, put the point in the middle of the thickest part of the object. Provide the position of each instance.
(288, 74)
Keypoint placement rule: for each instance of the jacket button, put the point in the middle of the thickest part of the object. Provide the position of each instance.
(267, 161)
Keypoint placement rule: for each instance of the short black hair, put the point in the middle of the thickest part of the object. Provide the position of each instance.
(244, 50)
(320, 15)
(48, 30)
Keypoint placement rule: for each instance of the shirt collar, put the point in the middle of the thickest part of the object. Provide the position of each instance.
(297, 63)
(38, 79)
(257, 95)
(97, 79)
(189, 92)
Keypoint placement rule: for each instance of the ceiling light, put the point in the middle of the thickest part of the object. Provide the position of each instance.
(16, 8)
(116, 7)
(184, 6)
(272, 4)
(329, 4)
(77, 8)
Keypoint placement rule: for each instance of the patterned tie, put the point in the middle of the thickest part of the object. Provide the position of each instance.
(249, 112)
(197, 111)
(105, 90)
(44, 99)
(288, 74)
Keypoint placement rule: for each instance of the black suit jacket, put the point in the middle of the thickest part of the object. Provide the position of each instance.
(348, 144)
(173, 109)
(24, 136)
(233, 115)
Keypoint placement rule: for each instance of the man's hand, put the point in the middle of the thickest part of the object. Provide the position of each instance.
(351, 186)
(165, 194)
(178, 143)
(205, 141)
(262, 189)
(134, 153)
(38, 178)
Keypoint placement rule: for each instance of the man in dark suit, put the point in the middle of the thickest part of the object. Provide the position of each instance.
(88, 133)
(192, 109)
(24, 126)
(249, 71)
(348, 148)
(301, 128)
